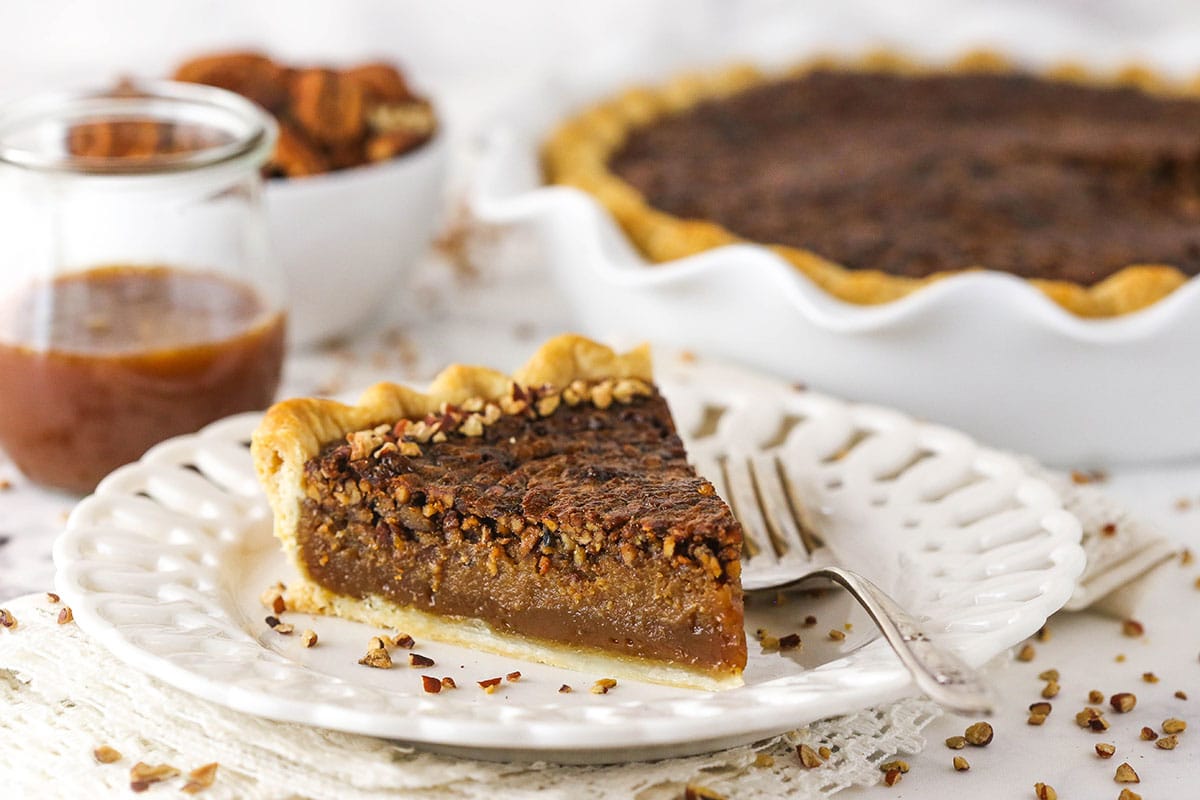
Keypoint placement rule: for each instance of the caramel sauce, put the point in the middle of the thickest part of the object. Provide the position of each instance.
(97, 366)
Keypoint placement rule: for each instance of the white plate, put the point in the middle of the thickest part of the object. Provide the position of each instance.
(165, 562)
(982, 351)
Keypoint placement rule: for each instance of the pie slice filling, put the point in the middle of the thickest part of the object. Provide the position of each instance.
(550, 516)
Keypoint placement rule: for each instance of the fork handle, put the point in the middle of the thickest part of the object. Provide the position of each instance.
(944, 677)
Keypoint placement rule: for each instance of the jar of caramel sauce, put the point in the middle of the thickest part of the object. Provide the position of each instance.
(138, 296)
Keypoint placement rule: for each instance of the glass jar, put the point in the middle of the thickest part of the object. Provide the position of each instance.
(138, 296)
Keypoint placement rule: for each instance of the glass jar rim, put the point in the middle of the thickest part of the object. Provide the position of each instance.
(251, 131)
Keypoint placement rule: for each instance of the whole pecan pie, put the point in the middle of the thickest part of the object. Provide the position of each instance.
(551, 516)
(875, 178)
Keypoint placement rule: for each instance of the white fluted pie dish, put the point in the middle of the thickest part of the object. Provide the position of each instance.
(983, 351)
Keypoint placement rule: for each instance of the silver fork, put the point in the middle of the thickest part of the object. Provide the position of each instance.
(782, 552)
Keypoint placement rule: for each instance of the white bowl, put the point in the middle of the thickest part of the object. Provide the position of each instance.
(982, 351)
(346, 239)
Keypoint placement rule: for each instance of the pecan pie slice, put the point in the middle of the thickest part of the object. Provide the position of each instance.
(550, 516)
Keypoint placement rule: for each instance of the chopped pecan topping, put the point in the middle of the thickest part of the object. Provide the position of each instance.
(490, 684)
(1126, 774)
(513, 677)
(789, 642)
(308, 638)
(1174, 726)
(808, 757)
(201, 778)
(960, 764)
(1129, 794)
(1044, 792)
(892, 777)
(1148, 734)
(1095, 696)
(52, 597)
(1051, 689)
(448, 683)
(1093, 719)
(431, 684)
(1149, 677)
(1105, 750)
(1123, 702)
(1048, 675)
(7, 620)
(1167, 742)
(106, 755)
(65, 615)
(418, 660)
(273, 598)
(1131, 627)
(1181, 694)
(897, 764)
(565, 689)
(377, 658)
(956, 742)
(603, 685)
(979, 735)
(1026, 653)
(142, 775)
(837, 635)
(402, 640)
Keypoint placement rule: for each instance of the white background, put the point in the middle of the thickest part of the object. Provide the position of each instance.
(471, 53)
(454, 47)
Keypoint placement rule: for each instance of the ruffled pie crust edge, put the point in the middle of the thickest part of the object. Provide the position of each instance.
(578, 150)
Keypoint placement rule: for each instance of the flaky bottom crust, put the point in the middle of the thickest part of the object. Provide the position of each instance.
(578, 151)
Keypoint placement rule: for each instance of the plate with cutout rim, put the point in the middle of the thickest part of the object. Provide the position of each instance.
(165, 562)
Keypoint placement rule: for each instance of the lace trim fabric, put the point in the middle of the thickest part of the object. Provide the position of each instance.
(64, 696)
